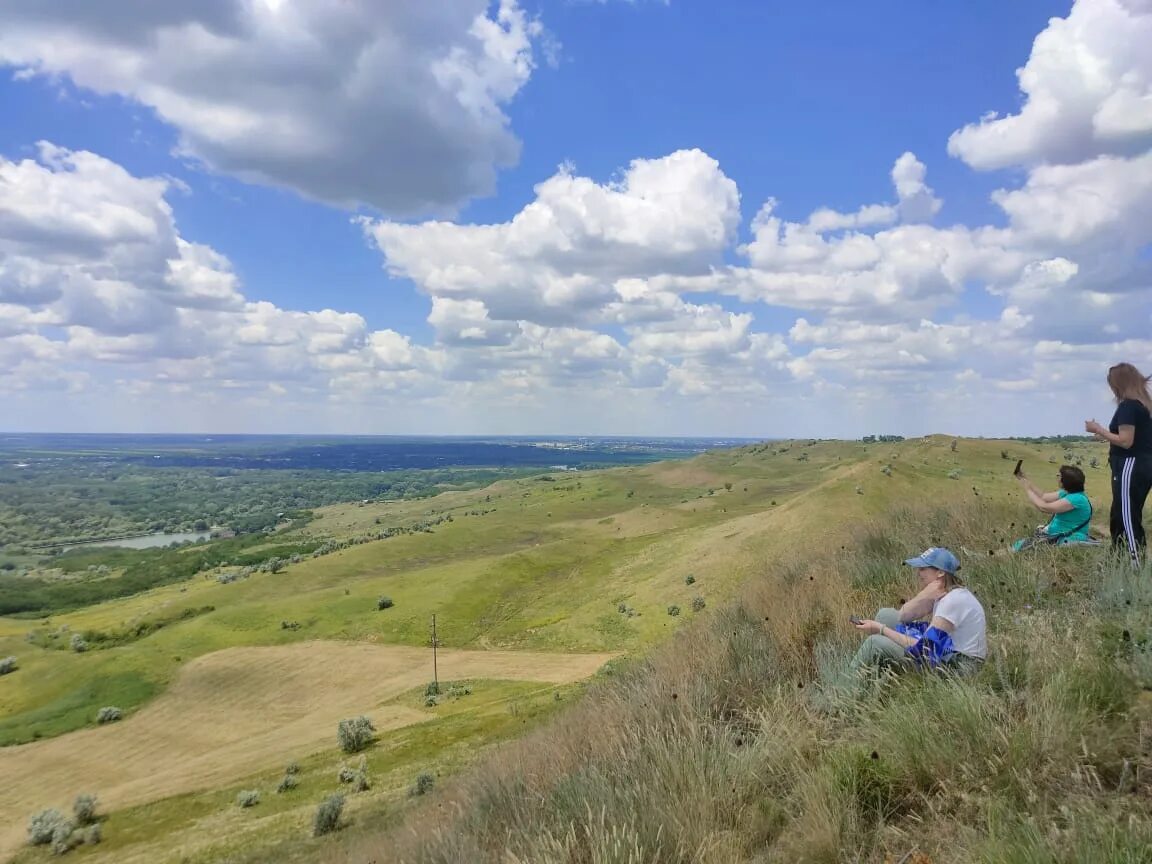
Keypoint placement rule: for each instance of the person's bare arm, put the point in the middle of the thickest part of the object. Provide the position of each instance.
(901, 639)
(920, 606)
(1123, 437)
(1060, 505)
(942, 624)
(870, 626)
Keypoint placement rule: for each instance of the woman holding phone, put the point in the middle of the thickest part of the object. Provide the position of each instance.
(1069, 507)
(1129, 438)
(942, 627)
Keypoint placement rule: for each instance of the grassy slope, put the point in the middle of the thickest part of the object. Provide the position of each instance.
(716, 747)
(544, 570)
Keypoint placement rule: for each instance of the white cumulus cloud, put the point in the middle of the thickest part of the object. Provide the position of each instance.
(398, 105)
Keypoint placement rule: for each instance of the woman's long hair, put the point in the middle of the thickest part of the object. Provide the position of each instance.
(1127, 382)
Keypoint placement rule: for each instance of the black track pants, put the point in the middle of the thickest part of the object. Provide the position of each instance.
(1131, 480)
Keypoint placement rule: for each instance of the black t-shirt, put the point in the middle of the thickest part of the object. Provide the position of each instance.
(1132, 413)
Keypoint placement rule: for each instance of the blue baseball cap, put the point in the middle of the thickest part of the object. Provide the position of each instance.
(937, 557)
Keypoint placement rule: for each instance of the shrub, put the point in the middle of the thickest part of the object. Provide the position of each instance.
(673, 610)
(292, 768)
(384, 602)
(431, 701)
(42, 826)
(84, 809)
(108, 714)
(93, 834)
(886, 470)
(698, 604)
(64, 837)
(328, 813)
(355, 734)
(357, 776)
(954, 474)
(689, 579)
(433, 689)
(423, 784)
(287, 783)
(78, 644)
(248, 798)
(8, 664)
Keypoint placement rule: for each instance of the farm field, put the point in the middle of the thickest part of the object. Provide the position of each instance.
(537, 582)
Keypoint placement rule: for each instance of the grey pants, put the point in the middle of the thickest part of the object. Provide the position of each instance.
(880, 652)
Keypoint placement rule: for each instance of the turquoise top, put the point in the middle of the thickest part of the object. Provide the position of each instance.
(1079, 514)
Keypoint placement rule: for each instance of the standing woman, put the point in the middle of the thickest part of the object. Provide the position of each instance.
(1129, 455)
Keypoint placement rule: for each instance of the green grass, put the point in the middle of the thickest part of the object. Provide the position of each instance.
(545, 568)
(212, 828)
(713, 749)
(74, 708)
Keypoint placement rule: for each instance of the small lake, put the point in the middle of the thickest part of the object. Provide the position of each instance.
(147, 541)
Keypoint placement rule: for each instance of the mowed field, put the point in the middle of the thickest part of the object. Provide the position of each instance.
(526, 579)
(231, 713)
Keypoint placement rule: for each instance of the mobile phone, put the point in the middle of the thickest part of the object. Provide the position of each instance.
(1016, 470)
(855, 619)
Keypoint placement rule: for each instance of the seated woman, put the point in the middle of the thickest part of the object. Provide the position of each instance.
(942, 627)
(1070, 508)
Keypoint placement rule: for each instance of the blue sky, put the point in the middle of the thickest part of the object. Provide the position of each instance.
(284, 179)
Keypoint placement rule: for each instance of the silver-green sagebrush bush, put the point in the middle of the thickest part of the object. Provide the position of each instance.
(8, 664)
(42, 826)
(84, 808)
(422, 785)
(355, 733)
(77, 643)
(287, 783)
(247, 798)
(65, 837)
(108, 714)
(327, 817)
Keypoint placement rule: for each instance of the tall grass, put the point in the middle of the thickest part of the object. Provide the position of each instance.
(711, 750)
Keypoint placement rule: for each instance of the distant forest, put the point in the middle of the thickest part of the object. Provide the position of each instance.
(61, 489)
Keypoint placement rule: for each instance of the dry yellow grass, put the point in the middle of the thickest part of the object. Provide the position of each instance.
(243, 710)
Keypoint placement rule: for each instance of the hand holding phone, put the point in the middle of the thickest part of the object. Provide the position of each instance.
(1016, 472)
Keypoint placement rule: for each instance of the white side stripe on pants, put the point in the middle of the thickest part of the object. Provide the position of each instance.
(1126, 506)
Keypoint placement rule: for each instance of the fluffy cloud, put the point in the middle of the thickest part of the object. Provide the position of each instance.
(636, 291)
(582, 255)
(1087, 89)
(86, 243)
(562, 251)
(95, 276)
(401, 108)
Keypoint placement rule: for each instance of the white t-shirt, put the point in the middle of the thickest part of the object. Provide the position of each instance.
(960, 608)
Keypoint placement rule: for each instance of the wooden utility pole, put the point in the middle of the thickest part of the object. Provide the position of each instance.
(435, 671)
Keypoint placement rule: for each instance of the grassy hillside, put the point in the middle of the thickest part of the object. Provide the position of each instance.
(712, 750)
(726, 744)
(542, 565)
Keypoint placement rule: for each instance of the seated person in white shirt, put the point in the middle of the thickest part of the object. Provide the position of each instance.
(942, 627)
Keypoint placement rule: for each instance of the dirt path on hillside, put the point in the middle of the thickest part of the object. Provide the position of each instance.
(233, 713)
